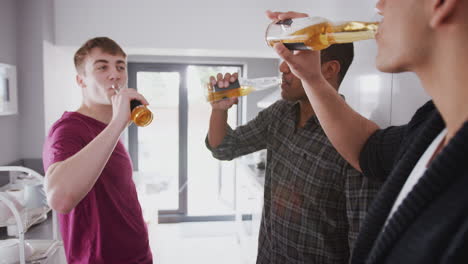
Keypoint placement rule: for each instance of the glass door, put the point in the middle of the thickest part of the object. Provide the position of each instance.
(175, 174)
(211, 182)
(157, 150)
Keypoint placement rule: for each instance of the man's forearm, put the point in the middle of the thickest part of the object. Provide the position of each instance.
(347, 130)
(69, 181)
(218, 126)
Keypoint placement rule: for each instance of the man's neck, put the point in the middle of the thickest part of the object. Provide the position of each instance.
(305, 112)
(445, 79)
(101, 113)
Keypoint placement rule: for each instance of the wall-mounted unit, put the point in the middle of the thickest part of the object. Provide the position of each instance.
(8, 90)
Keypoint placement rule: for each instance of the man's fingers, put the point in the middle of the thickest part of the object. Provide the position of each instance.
(227, 76)
(140, 98)
(291, 14)
(144, 101)
(288, 57)
(272, 15)
(283, 52)
(284, 15)
(133, 94)
(212, 80)
(234, 77)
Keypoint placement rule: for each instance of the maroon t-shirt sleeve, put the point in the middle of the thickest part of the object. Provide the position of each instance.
(65, 139)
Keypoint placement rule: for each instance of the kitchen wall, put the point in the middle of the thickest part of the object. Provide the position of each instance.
(35, 24)
(28, 25)
(9, 125)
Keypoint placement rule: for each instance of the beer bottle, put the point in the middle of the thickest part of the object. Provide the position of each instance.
(240, 87)
(316, 33)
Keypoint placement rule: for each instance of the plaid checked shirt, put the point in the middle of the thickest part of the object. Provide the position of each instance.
(314, 201)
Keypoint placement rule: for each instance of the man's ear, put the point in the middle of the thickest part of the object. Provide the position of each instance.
(80, 81)
(442, 11)
(330, 69)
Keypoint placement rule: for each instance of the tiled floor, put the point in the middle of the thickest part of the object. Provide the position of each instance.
(197, 243)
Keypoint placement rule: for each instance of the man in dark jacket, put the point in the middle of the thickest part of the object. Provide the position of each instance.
(421, 214)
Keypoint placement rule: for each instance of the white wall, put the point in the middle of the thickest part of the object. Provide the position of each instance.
(9, 125)
(61, 93)
(367, 90)
(165, 25)
(407, 95)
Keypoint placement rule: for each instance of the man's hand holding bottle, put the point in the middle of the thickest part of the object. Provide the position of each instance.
(223, 82)
(303, 64)
(121, 112)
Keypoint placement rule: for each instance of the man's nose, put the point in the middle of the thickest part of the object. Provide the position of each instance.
(115, 75)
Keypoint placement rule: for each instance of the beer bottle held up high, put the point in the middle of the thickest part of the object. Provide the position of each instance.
(316, 33)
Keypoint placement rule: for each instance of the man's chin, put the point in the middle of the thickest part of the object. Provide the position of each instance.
(285, 97)
(389, 65)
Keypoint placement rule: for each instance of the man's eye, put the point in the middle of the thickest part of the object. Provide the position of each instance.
(103, 67)
(121, 68)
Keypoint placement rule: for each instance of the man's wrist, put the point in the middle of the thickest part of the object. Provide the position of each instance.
(117, 126)
(315, 80)
(219, 111)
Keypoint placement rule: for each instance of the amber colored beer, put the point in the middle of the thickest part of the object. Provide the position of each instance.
(322, 35)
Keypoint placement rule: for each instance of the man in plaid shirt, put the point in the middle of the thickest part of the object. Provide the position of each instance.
(314, 201)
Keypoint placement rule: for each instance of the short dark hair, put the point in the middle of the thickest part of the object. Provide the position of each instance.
(106, 44)
(343, 53)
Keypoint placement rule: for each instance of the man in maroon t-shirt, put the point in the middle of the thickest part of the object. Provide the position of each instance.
(88, 170)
